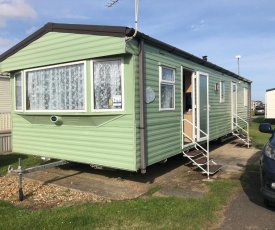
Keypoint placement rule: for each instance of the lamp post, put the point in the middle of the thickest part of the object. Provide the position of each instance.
(238, 61)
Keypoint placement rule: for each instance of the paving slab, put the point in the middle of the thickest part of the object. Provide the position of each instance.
(234, 156)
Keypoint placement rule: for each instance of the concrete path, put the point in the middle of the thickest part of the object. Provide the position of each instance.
(247, 210)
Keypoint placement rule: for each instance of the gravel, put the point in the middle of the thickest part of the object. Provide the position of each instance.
(38, 195)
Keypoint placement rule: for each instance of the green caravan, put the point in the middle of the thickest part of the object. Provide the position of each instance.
(115, 97)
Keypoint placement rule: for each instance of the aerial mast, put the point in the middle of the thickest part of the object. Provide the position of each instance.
(113, 2)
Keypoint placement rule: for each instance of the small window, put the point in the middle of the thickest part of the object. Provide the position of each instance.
(222, 92)
(245, 96)
(167, 88)
(18, 92)
(107, 85)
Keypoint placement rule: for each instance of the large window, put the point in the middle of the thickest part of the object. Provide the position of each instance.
(167, 88)
(107, 85)
(18, 91)
(56, 88)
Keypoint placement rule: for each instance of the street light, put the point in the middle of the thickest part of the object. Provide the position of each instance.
(238, 61)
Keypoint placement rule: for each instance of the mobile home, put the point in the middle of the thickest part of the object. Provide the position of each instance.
(105, 95)
(270, 104)
(5, 111)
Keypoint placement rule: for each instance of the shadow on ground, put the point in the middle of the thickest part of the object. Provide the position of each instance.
(152, 172)
(247, 210)
(250, 180)
(171, 178)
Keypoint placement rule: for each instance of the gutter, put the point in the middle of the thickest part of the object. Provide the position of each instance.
(143, 153)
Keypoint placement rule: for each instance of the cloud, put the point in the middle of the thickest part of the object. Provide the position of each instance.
(31, 30)
(198, 26)
(5, 44)
(11, 9)
(272, 19)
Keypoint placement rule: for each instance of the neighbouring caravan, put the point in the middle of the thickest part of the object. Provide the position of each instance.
(5, 111)
(107, 96)
(270, 104)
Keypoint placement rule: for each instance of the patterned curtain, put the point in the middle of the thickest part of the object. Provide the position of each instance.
(107, 85)
(58, 88)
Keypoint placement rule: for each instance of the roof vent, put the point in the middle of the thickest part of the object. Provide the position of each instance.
(204, 58)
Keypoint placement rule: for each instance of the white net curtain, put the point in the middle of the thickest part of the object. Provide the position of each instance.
(167, 96)
(56, 88)
(107, 84)
(167, 88)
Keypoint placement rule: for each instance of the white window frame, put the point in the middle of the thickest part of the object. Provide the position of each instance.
(22, 94)
(122, 85)
(222, 91)
(54, 66)
(245, 97)
(165, 82)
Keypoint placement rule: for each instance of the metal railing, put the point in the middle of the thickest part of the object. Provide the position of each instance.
(206, 150)
(246, 131)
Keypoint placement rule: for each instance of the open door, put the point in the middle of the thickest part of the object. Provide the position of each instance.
(234, 105)
(195, 106)
(201, 101)
(187, 106)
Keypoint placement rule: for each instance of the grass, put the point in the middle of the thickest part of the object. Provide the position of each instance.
(150, 213)
(12, 159)
(147, 213)
(259, 139)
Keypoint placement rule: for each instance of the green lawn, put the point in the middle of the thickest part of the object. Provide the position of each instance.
(12, 159)
(140, 213)
(259, 139)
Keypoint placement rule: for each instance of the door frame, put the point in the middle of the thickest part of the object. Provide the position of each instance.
(234, 105)
(192, 72)
(198, 107)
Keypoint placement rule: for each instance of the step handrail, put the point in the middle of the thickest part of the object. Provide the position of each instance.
(247, 128)
(197, 144)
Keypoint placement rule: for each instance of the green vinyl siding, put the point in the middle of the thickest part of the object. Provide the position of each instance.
(137, 110)
(5, 95)
(101, 138)
(219, 112)
(163, 128)
(53, 48)
(103, 145)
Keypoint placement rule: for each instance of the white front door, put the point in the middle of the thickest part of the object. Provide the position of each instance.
(202, 106)
(234, 104)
